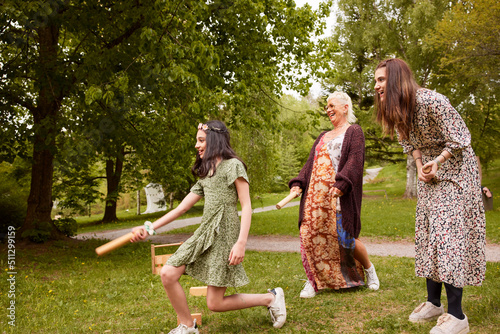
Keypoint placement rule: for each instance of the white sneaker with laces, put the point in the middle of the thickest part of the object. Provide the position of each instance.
(371, 278)
(448, 324)
(426, 312)
(307, 291)
(277, 309)
(183, 329)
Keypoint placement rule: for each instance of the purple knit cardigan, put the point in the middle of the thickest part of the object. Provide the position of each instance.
(349, 178)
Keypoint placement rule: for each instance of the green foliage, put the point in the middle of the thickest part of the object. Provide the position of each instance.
(14, 191)
(451, 47)
(12, 204)
(135, 78)
(366, 33)
(40, 232)
(68, 226)
(468, 40)
(300, 122)
(77, 176)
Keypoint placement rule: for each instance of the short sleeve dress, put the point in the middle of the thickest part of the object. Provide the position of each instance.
(206, 253)
(450, 225)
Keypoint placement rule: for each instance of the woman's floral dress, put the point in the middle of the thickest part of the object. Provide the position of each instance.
(327, 254)
(206, 253)
(450, 222)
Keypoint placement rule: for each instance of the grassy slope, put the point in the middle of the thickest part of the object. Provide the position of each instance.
(391, 218)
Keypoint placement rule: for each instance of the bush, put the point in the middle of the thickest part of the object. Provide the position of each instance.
(13, 207)
(14, 191)
(13, 204)
(68, 226)
(39, 234)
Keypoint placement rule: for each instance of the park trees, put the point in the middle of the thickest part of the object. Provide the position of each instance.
(136, 76)
(468, 42)
(429, 35)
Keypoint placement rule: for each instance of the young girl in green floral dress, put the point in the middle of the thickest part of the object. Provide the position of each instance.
(216, 250)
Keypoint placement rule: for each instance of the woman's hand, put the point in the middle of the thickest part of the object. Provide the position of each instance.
(296, 190)
(428, 171)
(139, 234)
(237, 254)
(335, 192)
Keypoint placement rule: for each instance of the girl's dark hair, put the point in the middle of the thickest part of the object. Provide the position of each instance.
(217, 146)
(398, 108)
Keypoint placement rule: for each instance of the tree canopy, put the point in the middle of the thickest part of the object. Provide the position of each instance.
(138, 76)
(451, 47)
(468, 40)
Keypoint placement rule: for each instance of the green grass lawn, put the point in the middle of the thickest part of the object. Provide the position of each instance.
(130, 219)
(385, 217)
(391, 219)
(62, 287)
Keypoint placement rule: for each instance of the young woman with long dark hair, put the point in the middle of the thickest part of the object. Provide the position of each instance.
(450, 221)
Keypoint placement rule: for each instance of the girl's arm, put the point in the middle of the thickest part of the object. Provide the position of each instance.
(238, 251)
(186, 204)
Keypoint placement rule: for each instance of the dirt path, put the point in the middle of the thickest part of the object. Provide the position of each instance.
(292, 244)
(280, 243)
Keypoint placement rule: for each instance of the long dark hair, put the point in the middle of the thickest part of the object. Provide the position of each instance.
(399, 105)
(218, 146)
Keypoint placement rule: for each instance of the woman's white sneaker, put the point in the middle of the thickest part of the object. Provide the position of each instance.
(426, 312)
(448, 324)
(307, 290)
(372, 281)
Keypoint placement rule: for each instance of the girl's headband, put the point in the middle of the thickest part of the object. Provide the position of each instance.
(205, 127)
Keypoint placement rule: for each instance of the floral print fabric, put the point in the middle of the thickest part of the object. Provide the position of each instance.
(327, 264)
(334, 148)
(206, 253)
(450, 223)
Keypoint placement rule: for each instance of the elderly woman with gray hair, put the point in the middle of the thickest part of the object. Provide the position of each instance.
(331, 182)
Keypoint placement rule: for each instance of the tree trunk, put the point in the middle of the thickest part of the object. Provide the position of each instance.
(138, 202)
(113, 176)
(46, 129)
(411, 178)
(171, 201)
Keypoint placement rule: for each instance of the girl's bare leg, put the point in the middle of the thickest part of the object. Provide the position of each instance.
(361, 254)
(217, 302)
(170, 278)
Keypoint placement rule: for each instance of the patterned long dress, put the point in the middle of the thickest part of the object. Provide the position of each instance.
(450, 226)
(327, 263)
(206, 253)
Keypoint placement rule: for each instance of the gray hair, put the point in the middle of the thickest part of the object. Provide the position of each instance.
(343, 97)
